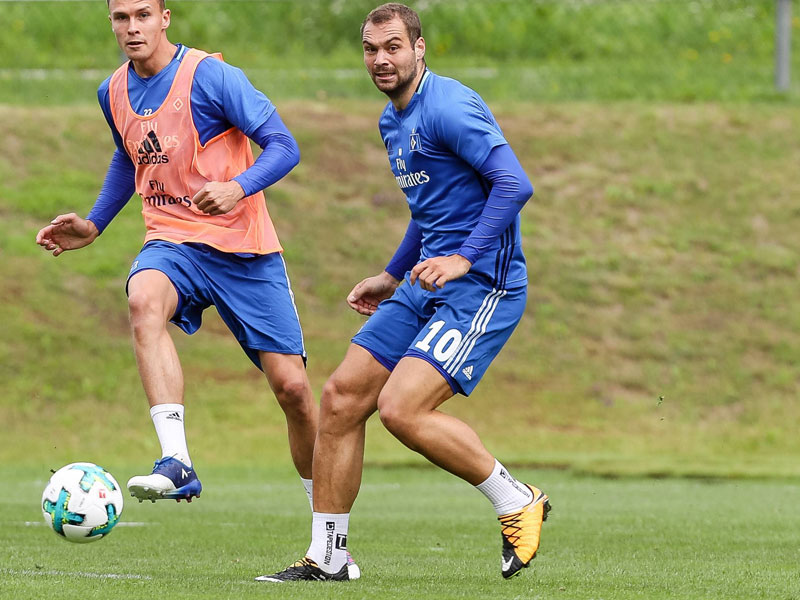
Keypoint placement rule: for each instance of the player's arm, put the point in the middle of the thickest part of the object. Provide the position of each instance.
(367, 294)
(407, 253)
(230, 98)
(69, 231)
(279, 155)
(510, 190)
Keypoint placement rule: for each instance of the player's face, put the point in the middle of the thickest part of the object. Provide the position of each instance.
(139, 26)
(392, 60)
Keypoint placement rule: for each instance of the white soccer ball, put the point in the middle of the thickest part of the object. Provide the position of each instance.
(82, 502)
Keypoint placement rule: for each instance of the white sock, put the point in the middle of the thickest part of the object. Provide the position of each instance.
(329, 541)
(168, 420)
(308, 484)
(506, 494)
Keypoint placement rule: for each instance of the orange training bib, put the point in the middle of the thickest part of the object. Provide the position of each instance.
(172, 166)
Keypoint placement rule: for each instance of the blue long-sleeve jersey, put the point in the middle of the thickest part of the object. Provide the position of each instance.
(463, 183)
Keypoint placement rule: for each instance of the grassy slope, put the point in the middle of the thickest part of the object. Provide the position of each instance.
(610, 540)
(662, 248)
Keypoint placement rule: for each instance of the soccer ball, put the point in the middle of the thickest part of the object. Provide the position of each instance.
(82, 502)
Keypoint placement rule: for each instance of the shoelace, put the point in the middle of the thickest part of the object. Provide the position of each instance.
(160, 461)
(163, 460)
(304, 562)
(510, 527)
(302, 566)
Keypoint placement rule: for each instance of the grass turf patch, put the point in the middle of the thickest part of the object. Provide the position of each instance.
(419, 533)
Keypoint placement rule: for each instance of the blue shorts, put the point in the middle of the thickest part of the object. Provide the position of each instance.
(458, 329)
(252, 294)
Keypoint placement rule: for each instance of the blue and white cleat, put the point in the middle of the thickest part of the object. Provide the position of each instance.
(170, 480)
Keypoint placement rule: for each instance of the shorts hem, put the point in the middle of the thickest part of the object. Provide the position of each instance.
(178, 306)
(454, 385)
(384, 362)
(253, 354)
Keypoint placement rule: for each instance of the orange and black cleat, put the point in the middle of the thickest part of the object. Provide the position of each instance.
(521, 531)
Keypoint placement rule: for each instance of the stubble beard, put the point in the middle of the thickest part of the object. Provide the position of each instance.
(399, 88)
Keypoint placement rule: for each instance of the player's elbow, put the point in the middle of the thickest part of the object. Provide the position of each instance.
(293, 153)
(291, 149)
(285, 148)
(525, 191)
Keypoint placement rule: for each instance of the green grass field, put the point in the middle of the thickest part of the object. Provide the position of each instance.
(651, 388)
(418, 533)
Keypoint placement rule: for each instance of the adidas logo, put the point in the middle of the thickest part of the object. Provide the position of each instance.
(175, 416)
(467, 371)
(150, 152)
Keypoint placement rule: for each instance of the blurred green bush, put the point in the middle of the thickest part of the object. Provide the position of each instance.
(508, 49)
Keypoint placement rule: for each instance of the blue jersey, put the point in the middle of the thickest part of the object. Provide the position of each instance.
(436, 146)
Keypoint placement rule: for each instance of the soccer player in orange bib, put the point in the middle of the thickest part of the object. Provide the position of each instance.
(181, 120)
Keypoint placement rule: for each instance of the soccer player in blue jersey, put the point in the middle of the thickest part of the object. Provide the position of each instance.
(180, 120)
(441, 311)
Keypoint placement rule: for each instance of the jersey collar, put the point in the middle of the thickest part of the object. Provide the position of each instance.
(422, 81)
(417, 93)
(177, 57)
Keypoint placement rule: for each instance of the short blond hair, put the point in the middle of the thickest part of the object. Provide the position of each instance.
(161, 3)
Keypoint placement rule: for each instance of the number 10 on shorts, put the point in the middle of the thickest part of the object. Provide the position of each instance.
(446, 346)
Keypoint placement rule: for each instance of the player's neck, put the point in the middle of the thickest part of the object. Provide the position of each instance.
(159, 59)
(402, 100)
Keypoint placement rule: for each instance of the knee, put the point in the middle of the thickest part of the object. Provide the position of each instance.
(146, 313)
(341, 405)
(396, 420)
(293, 393)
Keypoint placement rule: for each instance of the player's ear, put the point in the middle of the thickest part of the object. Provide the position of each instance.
(419, 48)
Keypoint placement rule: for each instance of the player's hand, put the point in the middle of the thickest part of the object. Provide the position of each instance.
(435, 272)
(67, 232)
(218, 197)
(365, 297)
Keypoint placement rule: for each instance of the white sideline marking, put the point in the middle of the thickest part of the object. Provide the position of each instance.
(122, 524)
(73, 574)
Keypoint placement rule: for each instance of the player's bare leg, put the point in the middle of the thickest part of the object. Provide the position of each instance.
(288, 380)
(349, 397)
(152, 300)
(408, 408)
